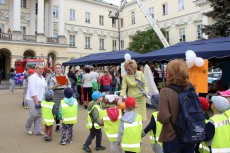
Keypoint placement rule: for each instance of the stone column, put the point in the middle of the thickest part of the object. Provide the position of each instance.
(46, 18)
(50, 34)
(204, 22)
(16, 22)
(61, 28)
(40, 22)
(32, 17)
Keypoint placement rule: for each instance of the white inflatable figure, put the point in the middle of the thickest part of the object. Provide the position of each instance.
(152, 88)
(126, 57)
(199, 62)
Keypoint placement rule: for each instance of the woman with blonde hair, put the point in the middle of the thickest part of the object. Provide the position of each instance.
(177, 75)
(135, 85)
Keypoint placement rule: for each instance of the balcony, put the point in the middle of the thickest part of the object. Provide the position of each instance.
(6, 36)
(52, 40)
(30, 38)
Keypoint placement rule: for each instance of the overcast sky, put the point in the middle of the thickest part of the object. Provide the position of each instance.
(115, 2)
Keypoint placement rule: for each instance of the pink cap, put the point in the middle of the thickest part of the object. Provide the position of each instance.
(225, 93)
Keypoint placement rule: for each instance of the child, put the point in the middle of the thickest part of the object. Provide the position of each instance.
(217, 130)
(47, 114)
(130, 129)
(111, 117)
(95, 122)
(68, 110)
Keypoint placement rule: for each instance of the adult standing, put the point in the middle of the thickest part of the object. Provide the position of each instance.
(35, 94)
(12, 75)
(105, 81)
(58, 90)
(135, 85)
(87, 80)
(73, 80)
(177, 74)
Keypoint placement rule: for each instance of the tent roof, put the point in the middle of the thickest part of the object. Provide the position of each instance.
(209, 48)
(112, 57)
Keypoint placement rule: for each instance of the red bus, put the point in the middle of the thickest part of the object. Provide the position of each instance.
(20, 65)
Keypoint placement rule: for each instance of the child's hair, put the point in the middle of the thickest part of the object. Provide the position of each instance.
(128, 109)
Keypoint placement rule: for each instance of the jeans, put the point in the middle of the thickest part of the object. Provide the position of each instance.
(177, 146)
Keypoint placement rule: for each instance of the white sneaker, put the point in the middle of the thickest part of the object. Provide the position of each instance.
(29, 132)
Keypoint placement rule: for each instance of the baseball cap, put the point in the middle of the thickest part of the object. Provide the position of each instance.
(68, 92)
(48, 95)
(204, 103)
(30, 71)
(225, 93)
(221, 103)
(97, 94)
(130, 102)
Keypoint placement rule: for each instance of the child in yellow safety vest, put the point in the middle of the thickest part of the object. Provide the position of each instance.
(130, 129)
(217, 130)
(94, 122)
(48, 112)
(111, 117)
(68, 111)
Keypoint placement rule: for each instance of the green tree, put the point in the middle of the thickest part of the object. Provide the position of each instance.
(221, 16)
(145, 41)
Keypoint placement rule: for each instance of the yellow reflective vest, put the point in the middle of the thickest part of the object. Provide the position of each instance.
(221, 139)
(227, 113)
(90, 124)
(131, 139)
(69, 113)
(158, 129)
(47, 114)
(110, 127)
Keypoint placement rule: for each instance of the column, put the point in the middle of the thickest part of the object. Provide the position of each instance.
(16, 15)
(32, 17)
(47, 18)
(61, 18)
(204, 22)
(51, 19)
(40, 17)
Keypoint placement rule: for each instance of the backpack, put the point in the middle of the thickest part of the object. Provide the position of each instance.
(190, 125)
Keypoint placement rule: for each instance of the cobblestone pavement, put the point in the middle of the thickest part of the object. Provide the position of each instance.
(15, 140)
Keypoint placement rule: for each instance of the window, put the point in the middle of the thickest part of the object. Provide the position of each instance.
(165, 8)
(182, 34)
(122, 44)
(55, 12)
(151, 12)
(113, 22)
(72, 15)
(72, 40)
(122, 22)
(132, 17)
(102, 44)
(180, 5)
(23, 30)
(114, 44)
(199, 31)
(101, 20)
(23, 3)
(167, 36)
(87, 42)
(87, 17)
(2, 1)
(1, 28)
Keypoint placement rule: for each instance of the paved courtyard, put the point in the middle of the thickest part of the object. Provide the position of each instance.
(15, 140)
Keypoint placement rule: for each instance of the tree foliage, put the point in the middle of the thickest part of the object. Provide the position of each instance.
(145, 41)
(221, 16)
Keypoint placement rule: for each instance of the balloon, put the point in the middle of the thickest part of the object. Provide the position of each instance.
(121, 106)
(189, 52)
(127, 56)
(199, 61)
(189, 64)
(190, 57)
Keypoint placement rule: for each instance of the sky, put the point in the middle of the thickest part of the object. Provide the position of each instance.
(115, 2)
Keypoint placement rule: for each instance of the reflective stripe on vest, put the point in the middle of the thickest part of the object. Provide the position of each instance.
(132, 135)
(69, 113)
(89, 124)
(222, 150)
(47, 113)
(227, 113)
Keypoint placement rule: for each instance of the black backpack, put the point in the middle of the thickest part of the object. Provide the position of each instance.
(190, 125)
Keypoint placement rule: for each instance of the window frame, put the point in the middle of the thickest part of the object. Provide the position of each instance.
(87, 42)
(182, 34)
(56, 12)
(23, 3)
(101, 43)
(87, 17)
(181, 5)
(122, 44)
(114, 44)
(133, 17)
(151, 12)
(72, 15)
(72, 40)
(23, 30)
(199, 28)
(165, 9)
(2, 2)
(101, 20)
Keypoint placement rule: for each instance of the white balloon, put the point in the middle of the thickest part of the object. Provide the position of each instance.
(190, 57)
(127, 56)
(199, 61)
(189, 52)
(189, 64)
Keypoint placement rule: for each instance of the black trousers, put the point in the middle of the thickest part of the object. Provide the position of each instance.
(94, 132)
(87, 93)
(79, 92)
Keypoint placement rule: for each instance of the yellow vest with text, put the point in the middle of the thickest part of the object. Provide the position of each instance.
(69, 113)
(158, 129)
(47, 113)
(110, 127)
(221, 139)
(89, 121)
(131, 139)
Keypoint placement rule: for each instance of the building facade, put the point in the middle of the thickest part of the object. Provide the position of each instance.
(59, 30)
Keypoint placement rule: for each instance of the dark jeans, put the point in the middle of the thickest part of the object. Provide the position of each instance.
(87, 93)
(94, 132)
(177, 146)
(107, 88)
(79, 92)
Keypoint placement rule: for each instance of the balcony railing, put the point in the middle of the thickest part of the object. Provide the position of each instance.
(30, 38)
(52, 40)
(6, 36)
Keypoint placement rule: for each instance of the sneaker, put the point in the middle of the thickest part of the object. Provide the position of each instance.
(40, 133)
(100, 148)
(29, 132)
(63, 142)
(86, 148)
(69, 141)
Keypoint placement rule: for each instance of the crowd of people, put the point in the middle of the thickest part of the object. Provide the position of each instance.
(51, 102)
